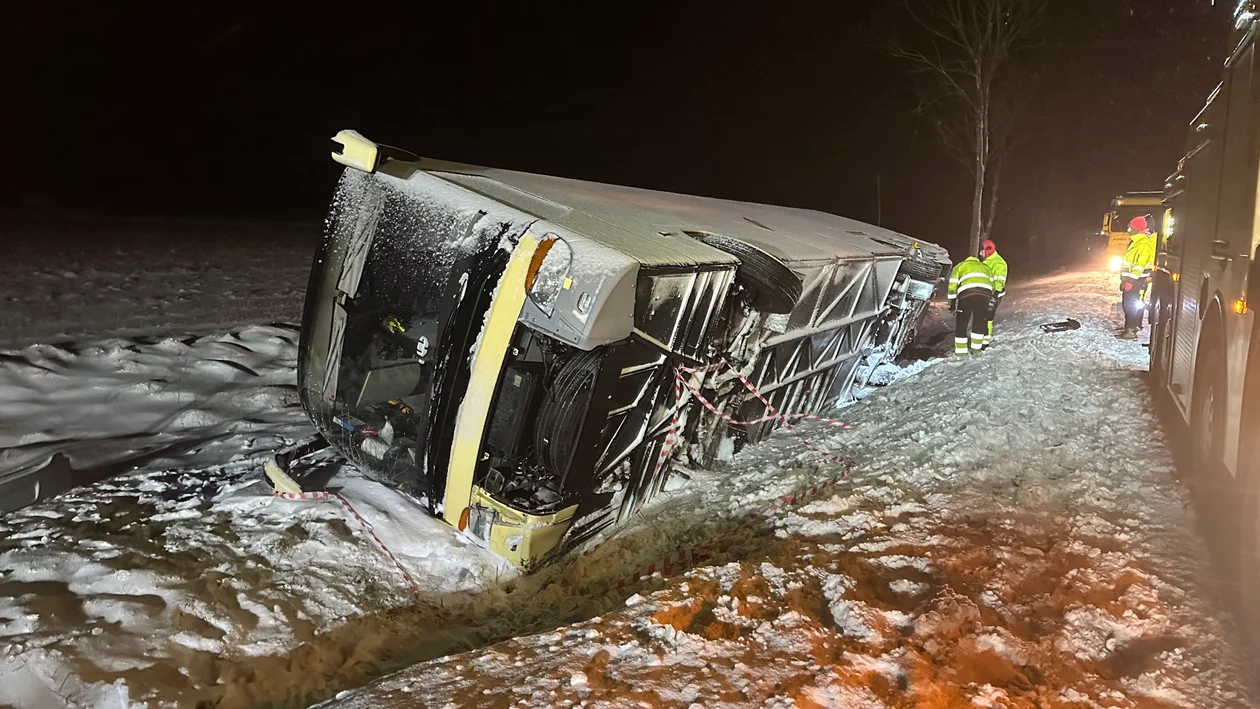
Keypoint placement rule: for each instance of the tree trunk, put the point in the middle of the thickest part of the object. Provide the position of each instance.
(995, 179)
(977, 198)
(977, 208)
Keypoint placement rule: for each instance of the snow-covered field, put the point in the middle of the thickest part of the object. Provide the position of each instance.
(996, 545)
(73, 278)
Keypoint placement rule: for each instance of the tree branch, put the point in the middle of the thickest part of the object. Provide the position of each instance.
(961, 60)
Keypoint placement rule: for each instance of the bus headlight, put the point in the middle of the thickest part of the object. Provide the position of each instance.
(1116, 263)
(478, 521)
(547, 272)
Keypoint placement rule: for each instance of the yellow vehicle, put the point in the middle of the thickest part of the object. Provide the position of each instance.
(1116, 222)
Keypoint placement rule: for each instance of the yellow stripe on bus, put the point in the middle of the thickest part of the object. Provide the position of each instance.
(470, 422)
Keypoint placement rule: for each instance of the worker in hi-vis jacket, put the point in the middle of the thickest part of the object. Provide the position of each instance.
(1135, 276)
(997, 268)
(970, 289)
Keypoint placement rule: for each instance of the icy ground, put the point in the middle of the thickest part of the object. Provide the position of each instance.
(998, 544)
(1012, 536)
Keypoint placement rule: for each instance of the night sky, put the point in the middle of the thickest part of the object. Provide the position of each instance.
(226, 110)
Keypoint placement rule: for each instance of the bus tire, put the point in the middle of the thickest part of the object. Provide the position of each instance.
(921, 270)
(775, 287)
(1207, 421)
(1249, 495)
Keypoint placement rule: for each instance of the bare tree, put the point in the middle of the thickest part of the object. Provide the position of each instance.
(1012, 97)
(961, 53)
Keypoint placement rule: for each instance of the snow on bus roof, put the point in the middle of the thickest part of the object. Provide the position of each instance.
(646, 224)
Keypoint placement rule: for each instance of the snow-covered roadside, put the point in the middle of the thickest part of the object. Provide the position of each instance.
(932, 482)
(168, 587)
(188, 577)
(999, 545)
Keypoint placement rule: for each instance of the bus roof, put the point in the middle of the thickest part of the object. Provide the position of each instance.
(633, 220)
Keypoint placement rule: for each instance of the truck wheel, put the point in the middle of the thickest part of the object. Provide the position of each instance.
(1207, 412)
(775, 288)
(1214, 489)
(1159, 330)
(1207, 415)
(1249, 489)
(1216, 493)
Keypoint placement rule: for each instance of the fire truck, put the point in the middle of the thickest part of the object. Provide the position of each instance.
(1116, 222)
(1205, 343)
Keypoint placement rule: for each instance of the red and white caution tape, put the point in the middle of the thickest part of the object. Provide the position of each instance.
(325, 495)
(683, 557)
(769, 417)
(782, 419)
(667, 448)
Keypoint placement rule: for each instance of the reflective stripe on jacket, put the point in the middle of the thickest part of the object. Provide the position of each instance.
(970, 275)
(997, 266)
(1139, 259)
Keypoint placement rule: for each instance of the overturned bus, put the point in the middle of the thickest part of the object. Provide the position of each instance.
(510, 348)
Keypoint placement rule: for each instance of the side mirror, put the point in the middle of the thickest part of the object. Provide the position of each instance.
(353, 150)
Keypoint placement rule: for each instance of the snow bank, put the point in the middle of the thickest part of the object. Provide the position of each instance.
(196, 400)
(176, 580)
(171, 586)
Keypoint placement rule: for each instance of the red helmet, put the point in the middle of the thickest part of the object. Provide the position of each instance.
(1138, 224)
(987, 248)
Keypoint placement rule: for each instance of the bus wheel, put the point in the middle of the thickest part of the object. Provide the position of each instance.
(776, 289)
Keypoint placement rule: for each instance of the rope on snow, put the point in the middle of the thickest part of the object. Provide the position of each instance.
(367, 528)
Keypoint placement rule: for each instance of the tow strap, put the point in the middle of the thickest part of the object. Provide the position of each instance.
(1061, 326)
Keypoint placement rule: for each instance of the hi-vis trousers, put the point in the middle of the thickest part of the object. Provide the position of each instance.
(972, 320)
